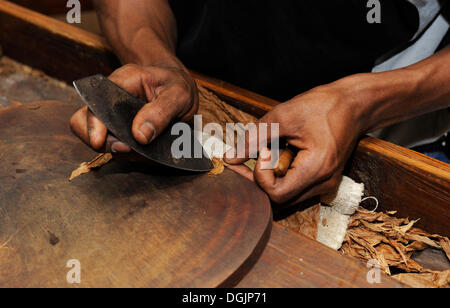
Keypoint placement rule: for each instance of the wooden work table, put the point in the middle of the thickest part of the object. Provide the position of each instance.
(415, 185)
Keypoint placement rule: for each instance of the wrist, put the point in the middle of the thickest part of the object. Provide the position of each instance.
(147, 49)
(378, 100)
(151, 57)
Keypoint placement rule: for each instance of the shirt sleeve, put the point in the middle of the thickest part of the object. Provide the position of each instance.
(428, 10)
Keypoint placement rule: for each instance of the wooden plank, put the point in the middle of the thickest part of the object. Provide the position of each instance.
(291, 260)
(57, 48)
(413, 184)
(23, 84)
(51, 7)
(245, 100)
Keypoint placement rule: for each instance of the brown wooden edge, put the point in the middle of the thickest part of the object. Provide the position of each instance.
(413, 184)
(68, 53)
(57, 48)
(250, 262)
(51, 6)
(291, 261)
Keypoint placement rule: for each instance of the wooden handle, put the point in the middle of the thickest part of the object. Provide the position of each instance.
(284, 162)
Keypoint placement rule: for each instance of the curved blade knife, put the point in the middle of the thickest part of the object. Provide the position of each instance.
(117, 108)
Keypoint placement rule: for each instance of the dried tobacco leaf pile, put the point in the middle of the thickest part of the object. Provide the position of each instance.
(304, 222)
(215, 110)
(393, 241)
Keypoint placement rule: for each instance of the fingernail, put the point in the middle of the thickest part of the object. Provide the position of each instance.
(266, 154)
(120, 147)
(266, 160)
(230, 154)
(147, 130)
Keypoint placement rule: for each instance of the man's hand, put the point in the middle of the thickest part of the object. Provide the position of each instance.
(325, 126)
(171, 94)
(326, 123)
(143, 34)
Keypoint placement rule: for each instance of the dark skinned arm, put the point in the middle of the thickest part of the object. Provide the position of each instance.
(143, 35)
(326, 123)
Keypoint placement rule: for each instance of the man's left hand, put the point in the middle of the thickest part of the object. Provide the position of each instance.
(324, 124)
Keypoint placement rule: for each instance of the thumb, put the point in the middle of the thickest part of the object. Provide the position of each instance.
(306, 170)
(154, 117)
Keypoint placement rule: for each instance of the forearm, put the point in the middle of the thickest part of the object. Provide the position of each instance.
(383, 99)
(141, 32)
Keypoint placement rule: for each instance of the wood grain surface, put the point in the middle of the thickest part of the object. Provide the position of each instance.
(51, 6)
(130, 225)
(408, 179)
(292, 260)
(59, 49)
(413, 184)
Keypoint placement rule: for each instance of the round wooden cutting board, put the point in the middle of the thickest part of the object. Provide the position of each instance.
(128, 225)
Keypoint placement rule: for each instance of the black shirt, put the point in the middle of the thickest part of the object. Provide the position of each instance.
(281, 48)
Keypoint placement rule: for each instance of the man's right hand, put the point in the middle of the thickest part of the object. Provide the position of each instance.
(171, 94)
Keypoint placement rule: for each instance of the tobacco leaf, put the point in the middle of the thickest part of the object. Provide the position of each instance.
(304, 222)
(416, 246)
(389, 253)
(214, 110)
(355, 250)
(400, 249)
(445, 244)
(411, 267)
(383, 263)
(426, 280)
(381, 236)
(422, 239)
(372, 217)
(365, 244)
(97, 162)
(404, 229)
(219, 167)
(392, 241)
(418, 231)
(251, 164)
(373, 238)
(376, 227)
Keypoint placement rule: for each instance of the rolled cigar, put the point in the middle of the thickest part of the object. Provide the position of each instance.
(285, 161)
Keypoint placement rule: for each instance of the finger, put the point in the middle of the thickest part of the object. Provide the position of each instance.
(115, 146)
(97, 131)
(154, 117)
(120, 147)
(243, 170)
(78, 124)
(265, 177)
(88, 128)
(306, 170)
(256, 138)
(135, 81)
(284, 162)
